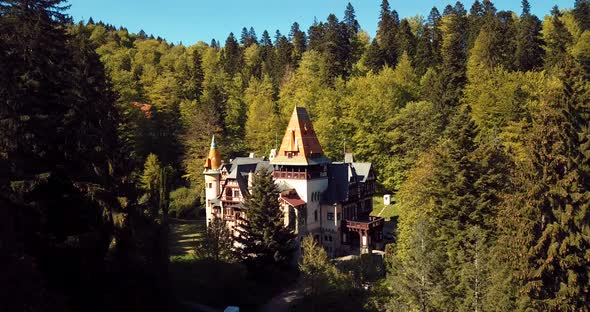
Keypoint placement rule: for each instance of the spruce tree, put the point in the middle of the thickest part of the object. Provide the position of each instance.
(557, 41)
(529, 44)
(298, 40)
(386, 35)
(264, 239)
(406, 39)
(452, 76)
(232, 57)
(582, 14)
(350, 19)
(476, 14)
(194, 87)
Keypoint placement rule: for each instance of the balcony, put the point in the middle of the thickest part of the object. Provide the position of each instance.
(365, 224)
(294, 175)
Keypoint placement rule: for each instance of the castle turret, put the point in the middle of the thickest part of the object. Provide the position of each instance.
(212, 179)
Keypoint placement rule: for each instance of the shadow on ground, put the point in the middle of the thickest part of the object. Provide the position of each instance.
(184, 234)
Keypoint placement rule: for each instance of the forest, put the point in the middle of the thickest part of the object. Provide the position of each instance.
(476, 120)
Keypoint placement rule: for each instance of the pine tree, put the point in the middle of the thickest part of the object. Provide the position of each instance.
(429, 43)
(231, 58)
(350, 19)
(548, 217)
(582, 14)
(529, 44)
(266, 241)
(475, 19)
(406, 39)
(60, 159)
(194, 88)
(495, 44)
(452, 75)
(557, 41)
(245, 37)
(386, 35)
(252, 36)
(374, 59)
(298, 40)
(416, 279)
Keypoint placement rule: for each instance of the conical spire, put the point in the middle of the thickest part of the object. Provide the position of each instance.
(213, 161)
(300, 145)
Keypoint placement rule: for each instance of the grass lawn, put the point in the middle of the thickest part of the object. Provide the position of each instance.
(216, 284)
(380, 210)
(184, 235)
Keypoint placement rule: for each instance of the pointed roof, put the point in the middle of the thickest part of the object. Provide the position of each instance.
(300, 145)
(213, 161)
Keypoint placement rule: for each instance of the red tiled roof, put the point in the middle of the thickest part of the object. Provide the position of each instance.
(293, 201)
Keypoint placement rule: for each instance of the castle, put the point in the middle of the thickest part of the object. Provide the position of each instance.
(329, 200)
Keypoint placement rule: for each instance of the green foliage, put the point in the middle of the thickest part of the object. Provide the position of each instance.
(217, 243)
(557, 38)
(413, 130)
(324, 284)
(441, 107)
(184, 203)
(262, 125)
(544, 217)
(266, 243)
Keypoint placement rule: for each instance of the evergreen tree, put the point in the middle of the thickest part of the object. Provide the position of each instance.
(298, 40)
(266, 242)
(582, 14)
(416, 279)
(374, 59)
(545, 219)
(386, 35)
(495, 44)
(315, 36)
(194, 87)
(557, 41)
(428, 44)
(231, 57)
(252, 36)
(406, 39)
(476, 19)
(529, 44)
(350, 19)
(245, 37)
(62, 169)
(452, 75)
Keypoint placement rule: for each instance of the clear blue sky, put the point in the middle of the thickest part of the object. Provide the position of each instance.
(190, 21)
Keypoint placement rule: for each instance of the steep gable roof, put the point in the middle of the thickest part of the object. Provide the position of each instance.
(300, 145)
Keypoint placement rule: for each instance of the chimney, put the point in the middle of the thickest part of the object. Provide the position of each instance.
(348, 159)
(251, 155)
(273, 154)
(250, 179)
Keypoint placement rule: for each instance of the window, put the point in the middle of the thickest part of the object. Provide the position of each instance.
(315, 215)
(236, 193)
(330, 216)
(210, 185)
